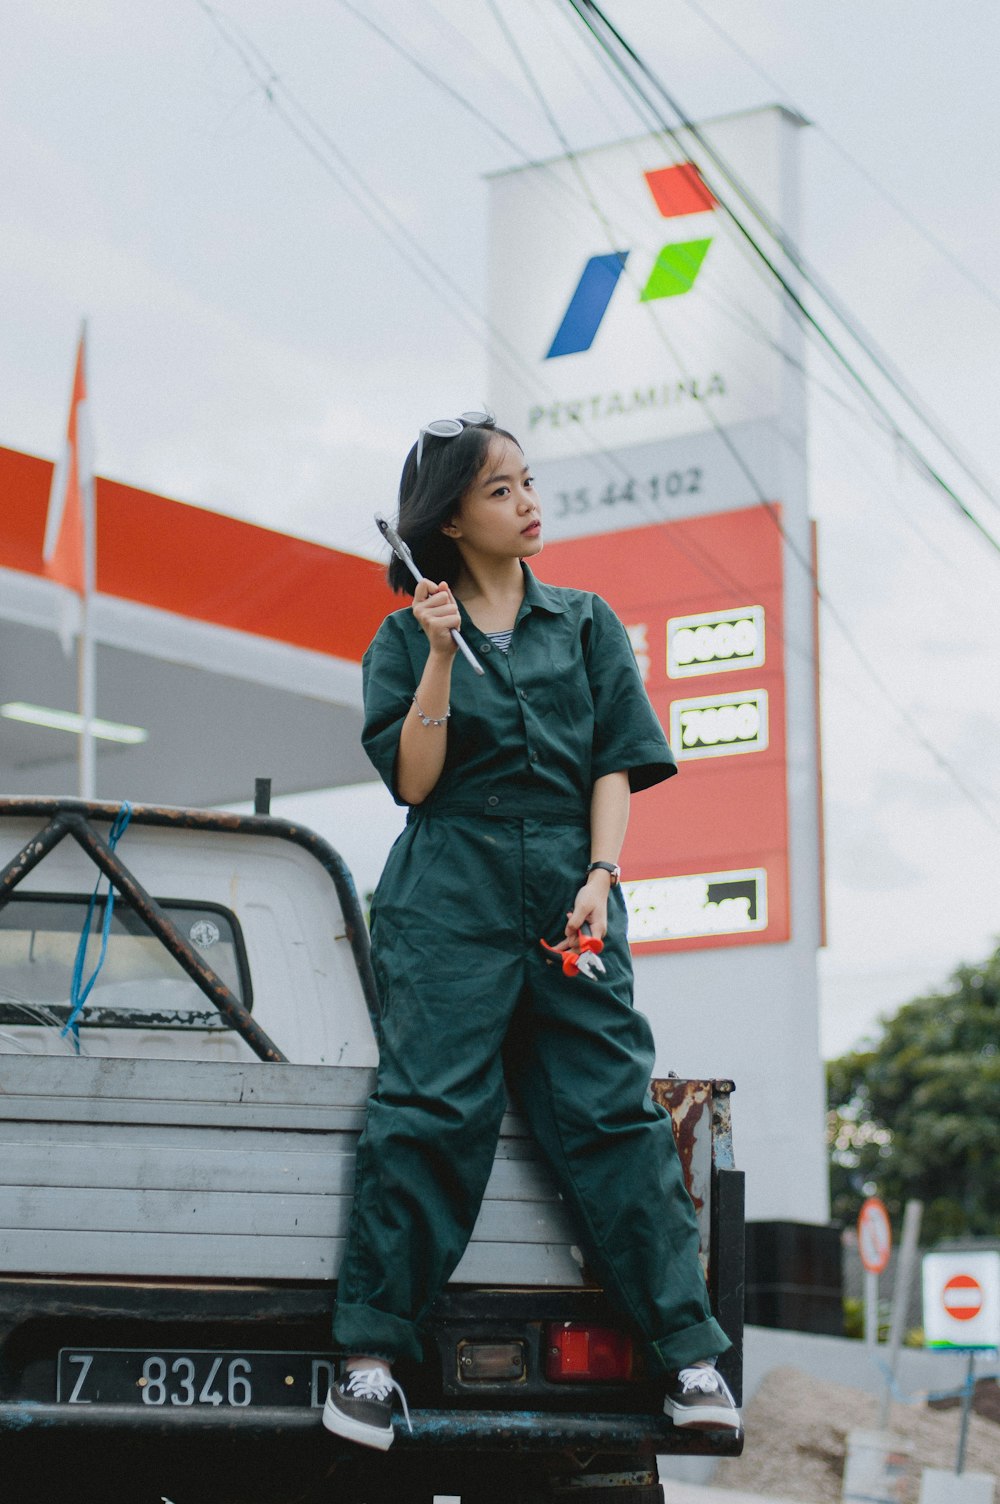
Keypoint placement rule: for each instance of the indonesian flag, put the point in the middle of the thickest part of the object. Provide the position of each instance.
(67, 553)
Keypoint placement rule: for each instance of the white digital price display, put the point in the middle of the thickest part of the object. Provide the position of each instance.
(704, 903)
(715, 641)
(719, 725)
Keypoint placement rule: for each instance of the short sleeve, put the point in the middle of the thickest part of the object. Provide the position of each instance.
(627, 735)
(389, 682)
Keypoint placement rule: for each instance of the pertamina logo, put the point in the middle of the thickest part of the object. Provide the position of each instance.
(676, 191)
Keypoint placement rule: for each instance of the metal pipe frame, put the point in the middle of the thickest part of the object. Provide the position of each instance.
(170, 937)
(178, 817)
(72, 817)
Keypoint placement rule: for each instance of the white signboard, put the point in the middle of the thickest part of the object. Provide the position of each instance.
(961, 1299)
(645, 321)
(652, 372)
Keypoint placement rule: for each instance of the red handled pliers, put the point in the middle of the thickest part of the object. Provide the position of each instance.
(585, 959)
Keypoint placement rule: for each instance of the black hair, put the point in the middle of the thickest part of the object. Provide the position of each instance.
(430, 496)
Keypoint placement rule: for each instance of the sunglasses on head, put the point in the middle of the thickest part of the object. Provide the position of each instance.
(450, 428)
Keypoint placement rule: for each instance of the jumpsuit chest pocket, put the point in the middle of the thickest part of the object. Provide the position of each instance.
(549, 685)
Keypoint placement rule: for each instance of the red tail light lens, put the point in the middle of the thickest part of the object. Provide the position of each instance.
(578, 1354)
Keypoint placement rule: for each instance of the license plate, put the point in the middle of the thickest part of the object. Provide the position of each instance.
(175, 1378)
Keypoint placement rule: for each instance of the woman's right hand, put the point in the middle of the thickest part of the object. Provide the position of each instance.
(437, 614)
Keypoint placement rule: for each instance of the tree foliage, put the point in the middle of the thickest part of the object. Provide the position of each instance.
(918, 1113)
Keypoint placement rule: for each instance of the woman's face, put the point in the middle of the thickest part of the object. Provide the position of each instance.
(500, 516)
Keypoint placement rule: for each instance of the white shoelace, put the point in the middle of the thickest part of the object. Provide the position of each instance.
(703, 1378)
(375, 1384)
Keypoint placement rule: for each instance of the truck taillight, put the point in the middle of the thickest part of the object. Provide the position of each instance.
(576, 1353)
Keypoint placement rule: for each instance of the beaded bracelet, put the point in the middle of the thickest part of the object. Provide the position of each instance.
(430, 720)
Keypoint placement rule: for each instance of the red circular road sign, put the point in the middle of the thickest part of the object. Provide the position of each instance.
(963, 1297)
(874, 1235)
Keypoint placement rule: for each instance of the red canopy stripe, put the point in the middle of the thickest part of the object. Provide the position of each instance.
(204, 566)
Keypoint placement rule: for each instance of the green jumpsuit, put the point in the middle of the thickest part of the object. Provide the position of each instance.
(487, 864)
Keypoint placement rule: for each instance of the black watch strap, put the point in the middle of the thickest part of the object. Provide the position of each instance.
(611, 867)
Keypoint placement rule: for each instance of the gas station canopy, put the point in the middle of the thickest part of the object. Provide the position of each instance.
(236, 650)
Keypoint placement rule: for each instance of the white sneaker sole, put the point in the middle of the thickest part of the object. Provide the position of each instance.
(356, 1430)
(704, 1418)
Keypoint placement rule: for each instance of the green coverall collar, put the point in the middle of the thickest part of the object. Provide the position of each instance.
(547, 597)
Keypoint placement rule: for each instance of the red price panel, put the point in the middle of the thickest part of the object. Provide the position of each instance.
(706, 859)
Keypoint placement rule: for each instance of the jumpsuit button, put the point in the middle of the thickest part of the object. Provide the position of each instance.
(493, 801)
(486, 647)
(523, 693)
(534, 756)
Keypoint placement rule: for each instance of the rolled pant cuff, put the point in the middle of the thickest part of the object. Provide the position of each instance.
(706, 1340)
(363, 1329)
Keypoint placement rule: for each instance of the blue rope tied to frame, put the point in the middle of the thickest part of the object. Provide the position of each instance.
(79, 992)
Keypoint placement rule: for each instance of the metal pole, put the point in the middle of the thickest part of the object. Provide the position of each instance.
(871, 1309)
(87, 696)
(963, 1431)
(901, 1296)
(29, 856)
(87, 658)
(170, 937)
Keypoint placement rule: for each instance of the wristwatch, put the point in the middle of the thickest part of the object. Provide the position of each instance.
(612, 867)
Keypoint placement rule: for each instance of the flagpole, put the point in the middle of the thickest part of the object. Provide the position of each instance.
(86, 654)
(86, 689)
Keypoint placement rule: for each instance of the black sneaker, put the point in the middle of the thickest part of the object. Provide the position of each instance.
(359, 1407)
(699, 1397)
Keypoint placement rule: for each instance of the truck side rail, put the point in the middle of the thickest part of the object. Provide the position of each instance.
(161, 1169)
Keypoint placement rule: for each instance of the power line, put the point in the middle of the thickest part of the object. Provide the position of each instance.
(879, 360)
(433, 77)
(602, 219)
(932, 240)
(268, 80)
(738, 315)
(320, 145)
(970, 792)
(587, 10)
(275, 90)
(735, 312)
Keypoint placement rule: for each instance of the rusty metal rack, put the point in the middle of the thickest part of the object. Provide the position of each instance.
(77, 818)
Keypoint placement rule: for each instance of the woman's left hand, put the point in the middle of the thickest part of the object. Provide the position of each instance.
(591, 907)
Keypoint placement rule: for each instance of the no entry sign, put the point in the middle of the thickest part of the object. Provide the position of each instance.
(962, 1299)
(874, 1235)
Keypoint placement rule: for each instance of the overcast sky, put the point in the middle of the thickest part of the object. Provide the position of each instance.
(259, 346)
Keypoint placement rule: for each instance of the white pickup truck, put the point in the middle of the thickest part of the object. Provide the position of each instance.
(175, 1180)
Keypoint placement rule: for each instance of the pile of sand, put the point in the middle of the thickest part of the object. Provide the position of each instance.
(796, 1443)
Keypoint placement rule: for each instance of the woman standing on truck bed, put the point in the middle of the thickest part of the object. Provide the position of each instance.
(518, 784)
